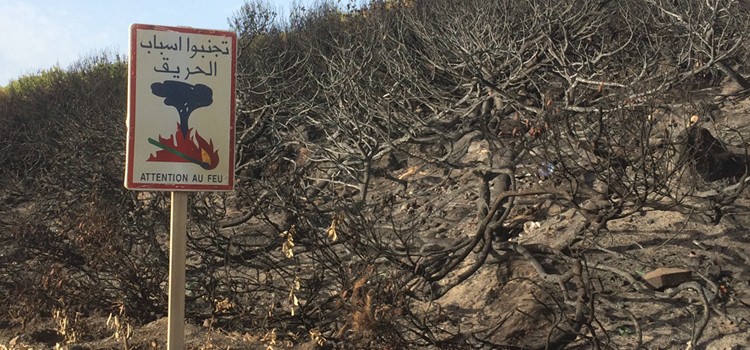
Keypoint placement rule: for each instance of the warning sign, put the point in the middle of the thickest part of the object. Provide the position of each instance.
(181, 97)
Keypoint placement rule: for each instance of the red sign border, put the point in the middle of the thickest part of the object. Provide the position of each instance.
(132, 64)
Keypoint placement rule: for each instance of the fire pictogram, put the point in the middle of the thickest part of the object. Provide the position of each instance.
(182, 146)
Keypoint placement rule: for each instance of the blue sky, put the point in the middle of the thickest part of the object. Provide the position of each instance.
(39, 34)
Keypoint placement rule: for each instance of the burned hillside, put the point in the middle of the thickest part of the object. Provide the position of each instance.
(413, 174)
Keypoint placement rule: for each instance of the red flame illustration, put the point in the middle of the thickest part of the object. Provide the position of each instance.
(185, 150)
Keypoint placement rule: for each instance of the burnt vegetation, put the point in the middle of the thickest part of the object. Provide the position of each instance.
(386, 156)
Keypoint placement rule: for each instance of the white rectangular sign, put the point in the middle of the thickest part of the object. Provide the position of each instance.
(181, 114)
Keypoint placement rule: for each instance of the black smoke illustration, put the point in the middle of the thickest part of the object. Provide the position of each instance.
(184, 97)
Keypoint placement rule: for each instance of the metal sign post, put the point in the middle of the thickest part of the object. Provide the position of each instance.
(177, 248)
